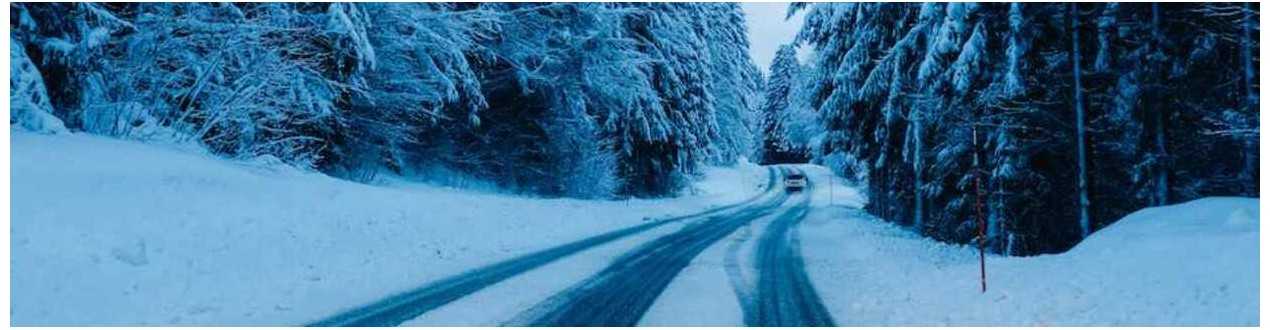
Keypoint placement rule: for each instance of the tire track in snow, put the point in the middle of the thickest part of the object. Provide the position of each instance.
(736, 274)
(620, 294)
(395, 309)
(786, 296)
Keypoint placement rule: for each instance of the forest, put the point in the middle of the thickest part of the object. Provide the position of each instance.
(592, 100)
(1049, 120)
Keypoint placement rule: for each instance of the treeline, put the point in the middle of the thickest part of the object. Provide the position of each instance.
(1048, 119)
(577, 99)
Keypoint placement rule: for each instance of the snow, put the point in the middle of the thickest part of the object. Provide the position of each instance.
(507, 302)
(709, 291)
(705, 293)
(1189, 264)
(724, 181)
(111, 232)
(28, 99)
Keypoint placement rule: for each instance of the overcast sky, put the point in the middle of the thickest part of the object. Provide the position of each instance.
(769, 30)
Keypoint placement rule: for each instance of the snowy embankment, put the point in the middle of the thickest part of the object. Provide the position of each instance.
(110, 232)
(1193, 263)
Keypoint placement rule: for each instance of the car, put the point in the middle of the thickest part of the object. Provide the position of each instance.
(795, 182)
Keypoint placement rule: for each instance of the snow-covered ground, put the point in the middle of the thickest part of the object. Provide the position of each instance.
(504, 302)
(110, 232)
(708, 292)
(1194, 263)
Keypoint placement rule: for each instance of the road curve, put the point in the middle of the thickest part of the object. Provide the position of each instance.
(786, 296)
(620, 294)
(394, 310)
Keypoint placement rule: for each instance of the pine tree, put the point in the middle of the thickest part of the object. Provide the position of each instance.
(783, 79)
(1125, 86)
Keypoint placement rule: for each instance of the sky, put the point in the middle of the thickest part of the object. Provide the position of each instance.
(769, 30)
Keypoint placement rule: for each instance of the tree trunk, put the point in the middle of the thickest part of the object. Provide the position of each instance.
(917, 170)
(1081, 185)
(996, 225)
(1249, 69)
(1250, 96)
(1158, 114)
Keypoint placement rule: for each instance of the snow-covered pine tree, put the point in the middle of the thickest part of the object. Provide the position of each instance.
(847, 39)
(660, 162)
(29, 105)
(235, 81)
(801, 123)
(583, 84)
(1010, 71)
(733, 80)
(68, 43)
(1204, 45)
(783, 78)
(411, 81)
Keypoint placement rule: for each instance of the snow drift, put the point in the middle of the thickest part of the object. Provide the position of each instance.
(111, 232)
(1189, 264)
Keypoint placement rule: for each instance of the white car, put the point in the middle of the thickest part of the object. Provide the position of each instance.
(795, 182)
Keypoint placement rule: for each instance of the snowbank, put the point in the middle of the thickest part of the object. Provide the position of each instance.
(110, 232)
(1189, 264)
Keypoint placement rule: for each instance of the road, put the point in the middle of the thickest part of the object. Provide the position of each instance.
(621, 293)
(786, 297)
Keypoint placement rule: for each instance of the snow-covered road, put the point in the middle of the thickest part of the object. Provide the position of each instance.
(786, 296)
(405, 306)
(765, 285)
(623, 292)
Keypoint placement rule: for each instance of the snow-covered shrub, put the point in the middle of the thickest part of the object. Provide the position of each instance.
(29, 105)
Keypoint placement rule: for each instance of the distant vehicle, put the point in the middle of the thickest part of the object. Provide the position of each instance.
(795, 182)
